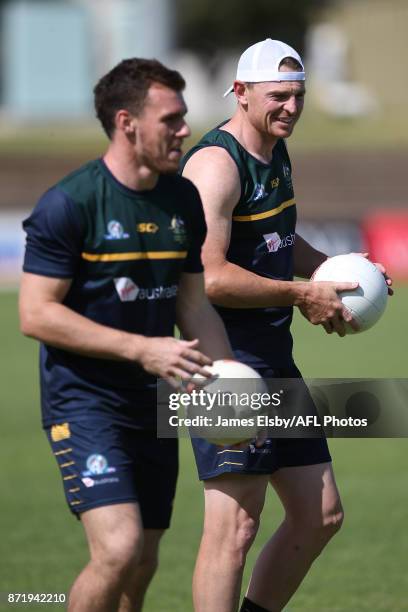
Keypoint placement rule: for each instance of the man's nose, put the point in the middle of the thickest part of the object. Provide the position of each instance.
(184, 131)
(291, 105)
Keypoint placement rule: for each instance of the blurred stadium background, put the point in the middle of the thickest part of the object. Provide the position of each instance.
(349, 153)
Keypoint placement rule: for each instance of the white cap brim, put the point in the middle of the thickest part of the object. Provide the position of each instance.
(267, 76)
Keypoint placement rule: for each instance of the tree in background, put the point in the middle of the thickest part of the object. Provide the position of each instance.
(209, 26)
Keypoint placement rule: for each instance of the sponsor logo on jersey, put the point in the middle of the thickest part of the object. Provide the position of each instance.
(177, 226)
(274, 242)
(60, 432)
(115, 231)
(97, 464)
(147, 228)
(275, 182)
(128, 291)
(259, 192)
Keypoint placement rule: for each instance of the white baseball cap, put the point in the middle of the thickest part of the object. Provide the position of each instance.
(261, 61)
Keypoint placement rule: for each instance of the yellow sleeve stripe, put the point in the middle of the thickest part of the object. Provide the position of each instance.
(267, 213)
(229, 450)
(63, 465)
(62, 452)
(229, 463)
(135, 256)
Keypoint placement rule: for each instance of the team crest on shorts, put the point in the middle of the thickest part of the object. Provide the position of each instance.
(97, 464)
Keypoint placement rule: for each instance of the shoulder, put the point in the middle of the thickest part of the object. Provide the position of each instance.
(215, 174)
(211, 166)
(80, 184)
(55, 214)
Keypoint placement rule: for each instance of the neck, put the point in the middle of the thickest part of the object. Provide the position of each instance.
(128, 170)
(258, 144)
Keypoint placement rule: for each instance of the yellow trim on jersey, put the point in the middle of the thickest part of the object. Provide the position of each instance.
(70, 477)
(229, 450)
(267, 213)
(67, 464)
(134, 256)
(229, 463)
(75, 503)
(74, 490)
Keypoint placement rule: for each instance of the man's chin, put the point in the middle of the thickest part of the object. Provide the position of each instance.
(170, 168)
(167, 167)
(284, 132)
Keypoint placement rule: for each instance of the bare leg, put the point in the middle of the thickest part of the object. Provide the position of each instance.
(313, 515)
(115, 539)
(139, 580)
(233, 503)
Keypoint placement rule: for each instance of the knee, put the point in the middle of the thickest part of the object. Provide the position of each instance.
(246, 531)
(118, 557)
(316, 530)
(235, 538)
(333, 521)
(327, 525)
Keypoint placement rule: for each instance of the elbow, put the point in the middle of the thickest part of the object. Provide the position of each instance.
(27, 323)
(213, 287)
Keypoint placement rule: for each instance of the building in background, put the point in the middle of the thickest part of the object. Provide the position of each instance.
(52, 52)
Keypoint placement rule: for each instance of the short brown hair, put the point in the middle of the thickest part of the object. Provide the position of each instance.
(291, 63)
(126, 87)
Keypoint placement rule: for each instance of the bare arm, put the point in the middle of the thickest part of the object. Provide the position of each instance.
(196, 318)
(43, 316)
(216, 177)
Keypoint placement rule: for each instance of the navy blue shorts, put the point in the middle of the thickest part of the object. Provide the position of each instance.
(104, 463)
(275, 453)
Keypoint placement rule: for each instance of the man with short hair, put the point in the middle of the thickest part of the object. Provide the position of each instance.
(112, 263)
(243, 173)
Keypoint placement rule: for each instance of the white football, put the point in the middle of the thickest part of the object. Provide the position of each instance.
(233, 388)
(367, 303)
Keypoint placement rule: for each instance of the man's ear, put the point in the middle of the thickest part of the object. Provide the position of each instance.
(241, 92)
(125, 122)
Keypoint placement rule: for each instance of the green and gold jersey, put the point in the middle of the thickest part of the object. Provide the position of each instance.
(125, 251)
(262, 241)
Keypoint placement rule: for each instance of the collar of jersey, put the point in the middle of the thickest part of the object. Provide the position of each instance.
(126, 190)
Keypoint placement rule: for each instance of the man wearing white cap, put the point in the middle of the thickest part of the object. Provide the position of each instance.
(243, 173)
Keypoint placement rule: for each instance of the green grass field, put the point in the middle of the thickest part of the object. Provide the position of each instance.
(363, 570)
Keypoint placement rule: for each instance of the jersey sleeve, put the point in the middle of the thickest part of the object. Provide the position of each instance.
(54, 236)
(197, 229)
